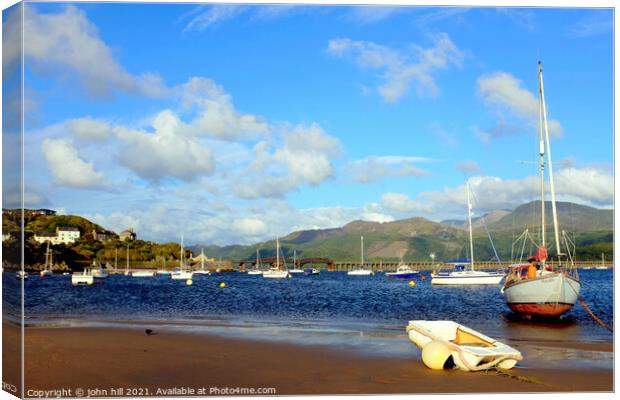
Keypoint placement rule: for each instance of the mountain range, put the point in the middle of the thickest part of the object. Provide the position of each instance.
(416, 238)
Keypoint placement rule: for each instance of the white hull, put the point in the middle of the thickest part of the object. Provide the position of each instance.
(201, 272)
(181, 275)
(45, 273)
(467, 278)
(255, 272)
(143, 274)
(296, 271)
(360, 272)
(470, 350)
(163, 272)
(81, 279)
(276, 274)
(100, 274)
(550, 294)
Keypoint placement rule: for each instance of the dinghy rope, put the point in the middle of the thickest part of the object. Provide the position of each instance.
(589, 310)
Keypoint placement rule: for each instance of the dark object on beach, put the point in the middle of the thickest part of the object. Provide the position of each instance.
(148, 331)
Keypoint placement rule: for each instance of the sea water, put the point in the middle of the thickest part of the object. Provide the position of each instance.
(330, 308)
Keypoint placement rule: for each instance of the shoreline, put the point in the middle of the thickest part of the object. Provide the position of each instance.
(106, 358)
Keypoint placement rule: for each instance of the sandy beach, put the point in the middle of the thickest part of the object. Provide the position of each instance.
(107, 359)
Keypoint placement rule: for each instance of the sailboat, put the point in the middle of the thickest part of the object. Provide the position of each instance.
(181, 273)
(47, 271)
(276, 272)
(361, 271)
(97, 271)
(602, 266)
(127, 272)
(202, 270)
(295, 269)
(548, 291)
(460, 275)
(403, 271)
(257, 268)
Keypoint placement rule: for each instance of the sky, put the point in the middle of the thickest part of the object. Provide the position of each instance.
(233, 124)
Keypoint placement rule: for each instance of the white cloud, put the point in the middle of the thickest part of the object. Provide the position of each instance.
(216, 115)
(468, 167)
(304, 157)
(170, 151)
(370, 14)
(597, 23)
(249, 227)
(504, 93)
(89, 129)
(401, 69)
(375, 168)
(589, 186)
(209, 16)
(68, 44)
(67, 167)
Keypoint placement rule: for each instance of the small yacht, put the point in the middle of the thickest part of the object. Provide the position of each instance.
(21, 274)
(361, 271)
(47, 271)
(181, 273)
(295, 269)
(257, 270)
(403, 271)
(202, 270)
(311, 271)
(98, 272)
(276, 272)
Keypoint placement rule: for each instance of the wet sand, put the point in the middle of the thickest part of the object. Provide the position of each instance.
(110, 358)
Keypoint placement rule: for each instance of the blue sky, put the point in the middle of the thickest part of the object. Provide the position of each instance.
(234, 124)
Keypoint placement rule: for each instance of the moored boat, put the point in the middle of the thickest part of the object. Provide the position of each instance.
(311, 271)
(181, 273)
(360, 270)
(403, 271)
(545, 290)
(21, 275)
(275, 272)
(83, 278)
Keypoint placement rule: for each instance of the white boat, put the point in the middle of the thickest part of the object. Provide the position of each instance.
(602, 266)
(257, 270)
(142, 273)
(544, 290)
(163, 272)
(83, 278)
(460, 275)
(275, 272)
(360, 270)
(21, 274)
(98, 272)
(295, 269)
(469, 350)
(47, 271)
(311, 271)
(181, 273)
(202, 270)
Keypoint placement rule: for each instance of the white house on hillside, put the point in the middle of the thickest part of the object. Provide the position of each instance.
(63, 235)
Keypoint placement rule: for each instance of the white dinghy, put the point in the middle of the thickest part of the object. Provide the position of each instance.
(447, 342)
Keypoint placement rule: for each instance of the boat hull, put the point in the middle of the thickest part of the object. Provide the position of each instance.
(360, 272)
(82, 279)
(548, 295)
(255, 272)
(143, 274)
(402, 275)
(467, 278)
(181, 276)
(276, 274)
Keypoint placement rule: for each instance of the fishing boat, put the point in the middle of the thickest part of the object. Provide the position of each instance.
(84, 278)
(202, 270)
(311, 271)
(460, 274)
(181, 273)
(360, 270)
(403, 271)
(546, 290)
(47, 271)
(275, 272)
(295, 269)
(257, 270)
(469, 350)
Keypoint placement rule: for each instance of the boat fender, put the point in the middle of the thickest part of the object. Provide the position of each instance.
(189, 282)
(223, 285)
(437, 355)
(411, 283)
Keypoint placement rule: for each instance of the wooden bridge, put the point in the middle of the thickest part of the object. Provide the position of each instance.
(332, 265)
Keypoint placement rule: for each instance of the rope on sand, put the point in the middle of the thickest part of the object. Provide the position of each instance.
(522, 378)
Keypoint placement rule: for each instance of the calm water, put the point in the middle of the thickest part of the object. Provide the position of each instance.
(316, 308)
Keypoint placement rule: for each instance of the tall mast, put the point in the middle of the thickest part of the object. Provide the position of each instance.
(542, 156)
(202, 259)
(115, 259)
(181, 267)
(471, 236)
(127, 268)
(556, 227)
(278, 254)
(362, 256)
